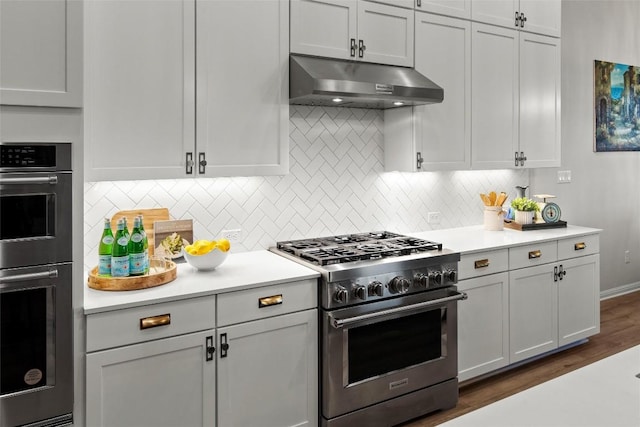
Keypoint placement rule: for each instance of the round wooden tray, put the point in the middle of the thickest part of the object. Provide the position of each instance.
(132, 283)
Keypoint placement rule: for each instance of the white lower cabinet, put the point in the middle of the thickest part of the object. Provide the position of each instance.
(166, 364)
(579, 299)
(268, 374)
(533, 317)
(167, 382)
(268, 356)
(483, 325)
(525, 301)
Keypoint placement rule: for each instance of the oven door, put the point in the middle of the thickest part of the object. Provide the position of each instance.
(36, 358)
(35, 218)
(378, 351)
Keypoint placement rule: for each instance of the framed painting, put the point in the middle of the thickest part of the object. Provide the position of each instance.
(616, 107)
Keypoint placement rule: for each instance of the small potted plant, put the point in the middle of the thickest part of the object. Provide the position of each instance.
(525, 209)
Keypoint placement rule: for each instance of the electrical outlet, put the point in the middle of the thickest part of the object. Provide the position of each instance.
(627, 257)
(564, 177)
(433, 217)
(232, 235)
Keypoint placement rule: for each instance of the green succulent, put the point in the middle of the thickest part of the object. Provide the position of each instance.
(524, 204)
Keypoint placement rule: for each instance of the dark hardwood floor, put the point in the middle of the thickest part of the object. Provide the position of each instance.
(619, 330)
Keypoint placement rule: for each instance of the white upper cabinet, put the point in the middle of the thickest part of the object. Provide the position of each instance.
(41, 53)
(243, 87)
(139, 88)
(438, 134)
(455, 8)
(535, 16)
(324, 28)
(353, 29)
(494, 99)
(515, 114)
(540, 74)
(141, 96)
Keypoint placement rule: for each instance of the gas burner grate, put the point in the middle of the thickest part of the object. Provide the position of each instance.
(356, 247)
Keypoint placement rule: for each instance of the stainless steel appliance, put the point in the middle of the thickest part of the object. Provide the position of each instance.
(388, 326)
(36, 326)
(344, 83)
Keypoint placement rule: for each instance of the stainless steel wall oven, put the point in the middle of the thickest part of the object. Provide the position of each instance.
(36, 324)
(388, 326)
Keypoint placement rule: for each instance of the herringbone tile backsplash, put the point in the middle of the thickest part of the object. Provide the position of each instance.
(336, 185)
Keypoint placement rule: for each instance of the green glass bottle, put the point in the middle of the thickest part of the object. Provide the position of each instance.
(120, 253)
(145, 239)
(126, 228)
(137, 264)
(104, 249)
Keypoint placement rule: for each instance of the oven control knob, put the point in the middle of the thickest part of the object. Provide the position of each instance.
(452, 275)
(376, 288)
(399, 285)
(341, 295)
(422, 280)
(435, 278)
(361, 292)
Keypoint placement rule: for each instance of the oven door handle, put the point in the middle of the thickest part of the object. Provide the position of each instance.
(50, 274)
(51, 179)
(339, 323)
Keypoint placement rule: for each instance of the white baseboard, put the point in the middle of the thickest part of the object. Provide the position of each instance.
(620, 290)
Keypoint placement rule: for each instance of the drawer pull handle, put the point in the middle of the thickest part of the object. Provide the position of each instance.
(269, 301)
(481, 263)
(535, 254)
(155, 321)
(579, 246)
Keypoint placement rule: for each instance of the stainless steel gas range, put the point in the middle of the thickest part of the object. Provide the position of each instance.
(388, 326)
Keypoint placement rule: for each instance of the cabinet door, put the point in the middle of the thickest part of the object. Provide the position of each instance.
(455, 8)
(494, 97)
(41, 53)
(579, 299)
(533, 312)
(386, 33)
(243, 87)
(165, 382)
(324, 27)
(483, 325)
(269, 374)
(543, 16)
(140, 70)
(496, 12)
(443, 54)
(540, 100)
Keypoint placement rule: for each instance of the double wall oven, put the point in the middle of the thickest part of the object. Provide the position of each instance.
(388, 327)
(36, 329)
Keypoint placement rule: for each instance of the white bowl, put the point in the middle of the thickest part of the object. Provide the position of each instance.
(208, 261)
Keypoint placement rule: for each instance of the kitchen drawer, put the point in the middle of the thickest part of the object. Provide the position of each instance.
(139, 324)
(533, 254)
(483, 263)
(267, 301)
(578, 246)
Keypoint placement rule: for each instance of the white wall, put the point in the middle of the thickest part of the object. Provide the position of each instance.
(605, 187)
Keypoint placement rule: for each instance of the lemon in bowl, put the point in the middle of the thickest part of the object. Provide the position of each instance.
(205, 254)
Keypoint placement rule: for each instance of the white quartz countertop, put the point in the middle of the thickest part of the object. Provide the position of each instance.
(254, 269)
(475, 238)
(239, 271)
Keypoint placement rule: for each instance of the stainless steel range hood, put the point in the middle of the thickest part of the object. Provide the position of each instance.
(323, 81)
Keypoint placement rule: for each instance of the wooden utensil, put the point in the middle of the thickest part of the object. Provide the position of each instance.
(492, 198)
(501, 199)
(485, 199)
(149, 216)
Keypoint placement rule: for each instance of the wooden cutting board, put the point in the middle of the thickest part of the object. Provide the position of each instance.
(149, 216)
